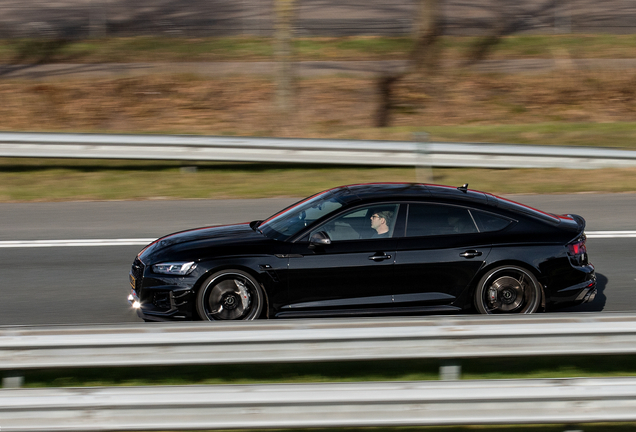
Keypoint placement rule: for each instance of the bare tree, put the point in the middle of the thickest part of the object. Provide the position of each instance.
(424, 54)
(510, 17)
(423, 57)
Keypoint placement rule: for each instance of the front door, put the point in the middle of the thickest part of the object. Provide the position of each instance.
(352, 275)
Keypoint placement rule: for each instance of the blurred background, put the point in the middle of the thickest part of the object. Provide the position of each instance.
(535, 72)
(198, 18)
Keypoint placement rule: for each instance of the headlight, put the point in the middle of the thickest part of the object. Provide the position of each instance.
(175, 268)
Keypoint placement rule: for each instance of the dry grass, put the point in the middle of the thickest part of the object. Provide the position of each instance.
(340, 106)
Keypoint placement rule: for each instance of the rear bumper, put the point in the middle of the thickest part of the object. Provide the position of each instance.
(583, 292)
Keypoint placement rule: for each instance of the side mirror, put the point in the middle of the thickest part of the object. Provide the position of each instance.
(320, 238)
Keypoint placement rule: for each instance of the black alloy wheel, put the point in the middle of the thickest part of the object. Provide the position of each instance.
(230, 295)
(508, 290)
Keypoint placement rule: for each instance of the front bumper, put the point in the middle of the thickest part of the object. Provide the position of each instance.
(159, 298)
(162, 304)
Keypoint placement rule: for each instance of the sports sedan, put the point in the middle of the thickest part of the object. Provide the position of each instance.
(370, 249)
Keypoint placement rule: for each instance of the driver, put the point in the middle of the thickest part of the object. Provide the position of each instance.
(380, 223)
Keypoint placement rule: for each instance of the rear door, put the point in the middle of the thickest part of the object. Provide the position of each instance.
(441, 252)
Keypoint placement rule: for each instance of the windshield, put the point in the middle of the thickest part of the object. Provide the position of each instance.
(298, 216)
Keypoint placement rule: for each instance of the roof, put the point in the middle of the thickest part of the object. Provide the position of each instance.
(400, 191)
(369, 191)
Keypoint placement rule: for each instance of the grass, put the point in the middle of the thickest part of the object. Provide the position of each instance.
(615, 134)
(404, 370)
(549, 46)
(23, 180)
(153, 48)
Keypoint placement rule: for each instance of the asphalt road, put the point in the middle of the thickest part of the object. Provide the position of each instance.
(304, 69)
(86, 285)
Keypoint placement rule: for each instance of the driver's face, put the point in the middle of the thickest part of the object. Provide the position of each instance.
(376, 221)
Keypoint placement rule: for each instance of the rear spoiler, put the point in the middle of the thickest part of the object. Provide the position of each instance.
(579, 220)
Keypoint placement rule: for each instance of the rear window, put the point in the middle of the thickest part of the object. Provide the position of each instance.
(488, 222)
(436, 219)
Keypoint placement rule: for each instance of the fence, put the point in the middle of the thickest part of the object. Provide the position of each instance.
(386, 153)
(96, 18)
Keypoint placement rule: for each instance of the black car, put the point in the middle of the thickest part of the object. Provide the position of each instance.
(370, 249)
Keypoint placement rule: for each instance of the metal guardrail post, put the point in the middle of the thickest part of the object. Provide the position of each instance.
(423, 169)
(450, 370)
(12, 379)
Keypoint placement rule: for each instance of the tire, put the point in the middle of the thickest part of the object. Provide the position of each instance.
(230, 295)
(507, 290)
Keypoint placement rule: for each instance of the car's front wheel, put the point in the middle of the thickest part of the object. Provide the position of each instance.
(230, 295)
(508, 289)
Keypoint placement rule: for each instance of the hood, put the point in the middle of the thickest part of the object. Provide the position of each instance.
(200, 237)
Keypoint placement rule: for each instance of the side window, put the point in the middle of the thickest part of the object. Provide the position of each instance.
(376, 221)
(488, 222)
(438, 219)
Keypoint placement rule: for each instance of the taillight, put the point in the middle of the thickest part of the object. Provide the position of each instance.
(578, 251)
(577, 248)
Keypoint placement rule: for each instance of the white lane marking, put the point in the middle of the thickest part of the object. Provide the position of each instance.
(145, 241)
(610, 234)
(74, 243)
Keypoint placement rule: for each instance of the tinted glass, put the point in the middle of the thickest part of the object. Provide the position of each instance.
(489, 222)
(376, 221)
(293, 219)
(436, 219)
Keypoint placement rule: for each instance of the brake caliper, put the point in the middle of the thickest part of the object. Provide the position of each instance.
(492, 295)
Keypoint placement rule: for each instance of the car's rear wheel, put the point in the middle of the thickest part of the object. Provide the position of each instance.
(230, 295)
(508, 290)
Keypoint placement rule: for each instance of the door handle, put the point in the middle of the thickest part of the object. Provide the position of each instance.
(470, 254)
(379, 257)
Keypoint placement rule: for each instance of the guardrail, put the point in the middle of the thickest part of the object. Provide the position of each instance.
(440, 337)
(349, 152)
(319, 405)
